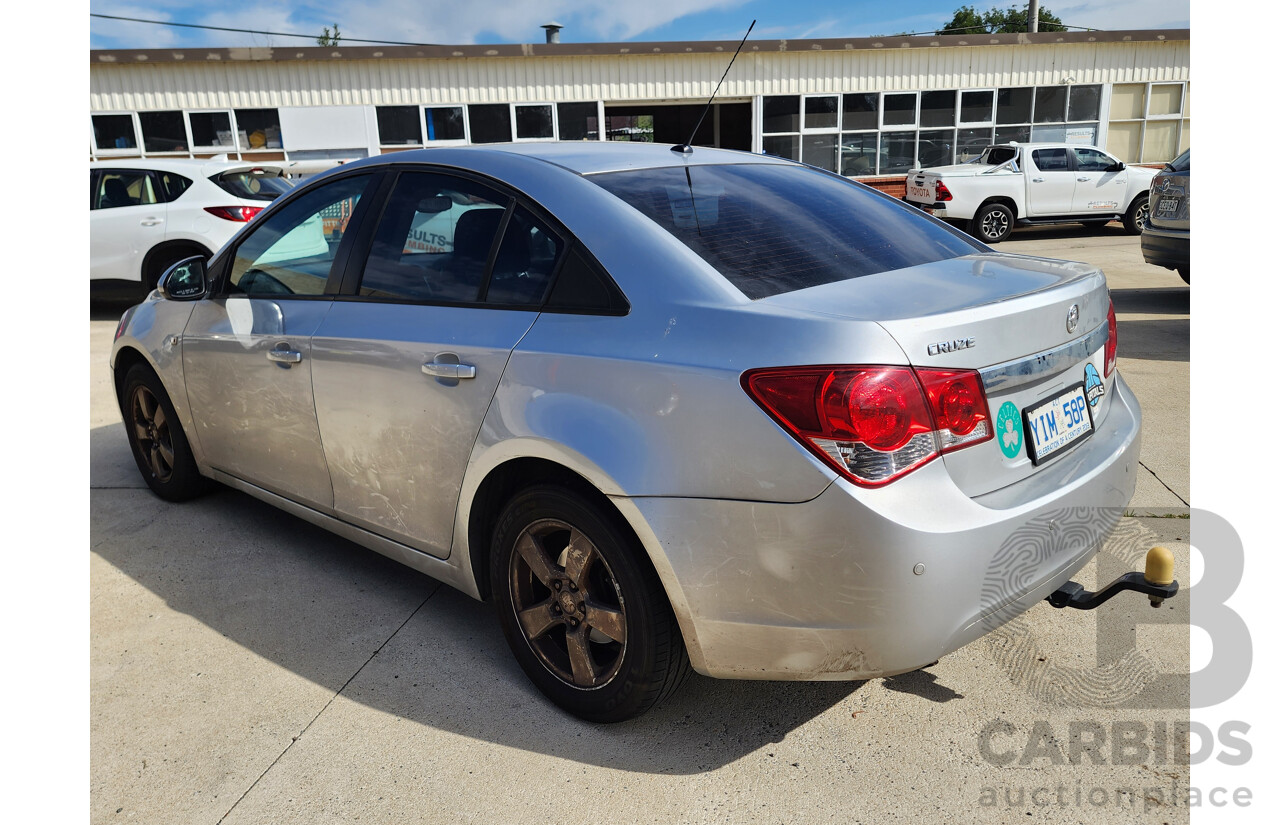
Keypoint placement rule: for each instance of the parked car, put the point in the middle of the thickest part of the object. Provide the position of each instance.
(1034, 183)
(714, 410)
(1166, 239)
(145, 215)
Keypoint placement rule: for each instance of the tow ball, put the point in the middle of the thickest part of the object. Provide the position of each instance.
(1157, 582)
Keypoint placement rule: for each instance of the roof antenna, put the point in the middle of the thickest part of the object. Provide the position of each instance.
(685, 148)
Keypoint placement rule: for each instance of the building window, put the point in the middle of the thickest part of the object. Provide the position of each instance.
(535, 122)
(579, 121)
(899, 110)
(163, 131)
(111, 132)
(977, 106)
(258, 129)
(490, 122)
(446, 123)
(211, 130)
(1149, 122)
(1013, 106)
(399, 126)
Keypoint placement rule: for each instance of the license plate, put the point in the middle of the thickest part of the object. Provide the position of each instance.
(1166, 207)
(1057, 424)
(919, 193)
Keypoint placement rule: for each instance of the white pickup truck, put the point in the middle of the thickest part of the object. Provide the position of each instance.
(1033, 183)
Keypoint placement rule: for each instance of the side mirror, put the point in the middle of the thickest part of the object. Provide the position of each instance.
(1118, 166)
(184, 281)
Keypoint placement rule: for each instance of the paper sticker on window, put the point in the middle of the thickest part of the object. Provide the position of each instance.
(695, 207)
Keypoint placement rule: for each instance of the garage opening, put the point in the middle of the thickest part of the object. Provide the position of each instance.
(727, 125)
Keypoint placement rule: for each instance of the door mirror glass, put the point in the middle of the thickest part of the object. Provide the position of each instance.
(184, 281)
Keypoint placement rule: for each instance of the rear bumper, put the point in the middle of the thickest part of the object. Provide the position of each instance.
(829, 589)
(1170, 248)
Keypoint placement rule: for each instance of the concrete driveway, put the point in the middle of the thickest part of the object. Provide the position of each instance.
(247, 667)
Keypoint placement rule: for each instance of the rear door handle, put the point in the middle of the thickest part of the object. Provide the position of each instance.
(1084, 180)
(151, 221)
(437, 369)
(1037, 180)
(283, 355)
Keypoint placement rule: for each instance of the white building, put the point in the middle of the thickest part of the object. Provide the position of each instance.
(866, 107)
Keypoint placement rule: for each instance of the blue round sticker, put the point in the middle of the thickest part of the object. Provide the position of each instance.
(1009, 429)
(1093, 386)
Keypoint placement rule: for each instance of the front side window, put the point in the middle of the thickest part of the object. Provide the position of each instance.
(124, 187)
(770, 229)
(433, 241)
(292, 251)
(1091, 160)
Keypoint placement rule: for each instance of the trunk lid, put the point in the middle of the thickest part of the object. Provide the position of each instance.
(1003, 315)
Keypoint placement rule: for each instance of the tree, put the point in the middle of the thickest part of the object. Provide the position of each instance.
(327, 39)
(967, 20)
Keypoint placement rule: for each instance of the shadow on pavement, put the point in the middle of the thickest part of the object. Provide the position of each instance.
(1154, 301)
(321, 607)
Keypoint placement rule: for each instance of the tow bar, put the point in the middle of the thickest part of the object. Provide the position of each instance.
(1157, 582)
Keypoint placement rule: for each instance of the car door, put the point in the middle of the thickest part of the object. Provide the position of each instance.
(126, 218)
(246, 351)
(1097, 189)
(1050, 182)
(407, 361)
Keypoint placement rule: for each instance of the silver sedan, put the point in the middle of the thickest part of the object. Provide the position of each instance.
(669, 410)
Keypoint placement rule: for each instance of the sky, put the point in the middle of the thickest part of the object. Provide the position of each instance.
(502, 21)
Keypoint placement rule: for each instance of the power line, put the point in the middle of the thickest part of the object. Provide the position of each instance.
(252, 31)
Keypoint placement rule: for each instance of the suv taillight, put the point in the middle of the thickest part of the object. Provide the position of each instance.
(941, 192)
(874, 424)
(240, 214)
(1109, 362)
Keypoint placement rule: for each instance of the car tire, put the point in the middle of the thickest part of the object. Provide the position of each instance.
(992, 224)
(581, 607)
(1135, 219)
(159, 445)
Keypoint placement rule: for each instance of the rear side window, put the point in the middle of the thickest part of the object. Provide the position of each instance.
(1051, 160)
(124, 187)
(771, 229)
(174, 185)
(253, 186)
(434, 240)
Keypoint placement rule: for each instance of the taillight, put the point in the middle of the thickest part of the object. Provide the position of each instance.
(941, 192)
(239, 214)
(874, 424)
(1109, 363)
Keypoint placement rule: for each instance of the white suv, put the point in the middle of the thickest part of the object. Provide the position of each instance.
(145, 215)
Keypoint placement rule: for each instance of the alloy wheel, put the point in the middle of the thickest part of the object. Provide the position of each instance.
(567, 604)
(151, 432)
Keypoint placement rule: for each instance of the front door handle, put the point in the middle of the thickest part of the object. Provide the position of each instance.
(436, 369)
(283, 355)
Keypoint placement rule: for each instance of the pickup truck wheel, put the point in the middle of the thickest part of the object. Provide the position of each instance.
(1135, 220)
(992, 224)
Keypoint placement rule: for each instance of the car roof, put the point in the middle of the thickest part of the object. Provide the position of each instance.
(185, 166)
(581, 157)
(1049, 145)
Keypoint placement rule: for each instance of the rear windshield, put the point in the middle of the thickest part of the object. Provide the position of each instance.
(996, 155)
(1182, 163)
(254, 186)
(771, 229)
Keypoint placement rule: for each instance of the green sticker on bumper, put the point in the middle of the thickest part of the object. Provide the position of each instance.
(1009, 429)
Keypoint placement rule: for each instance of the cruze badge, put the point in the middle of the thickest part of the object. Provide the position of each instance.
(1073, 318)
(951, 346)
